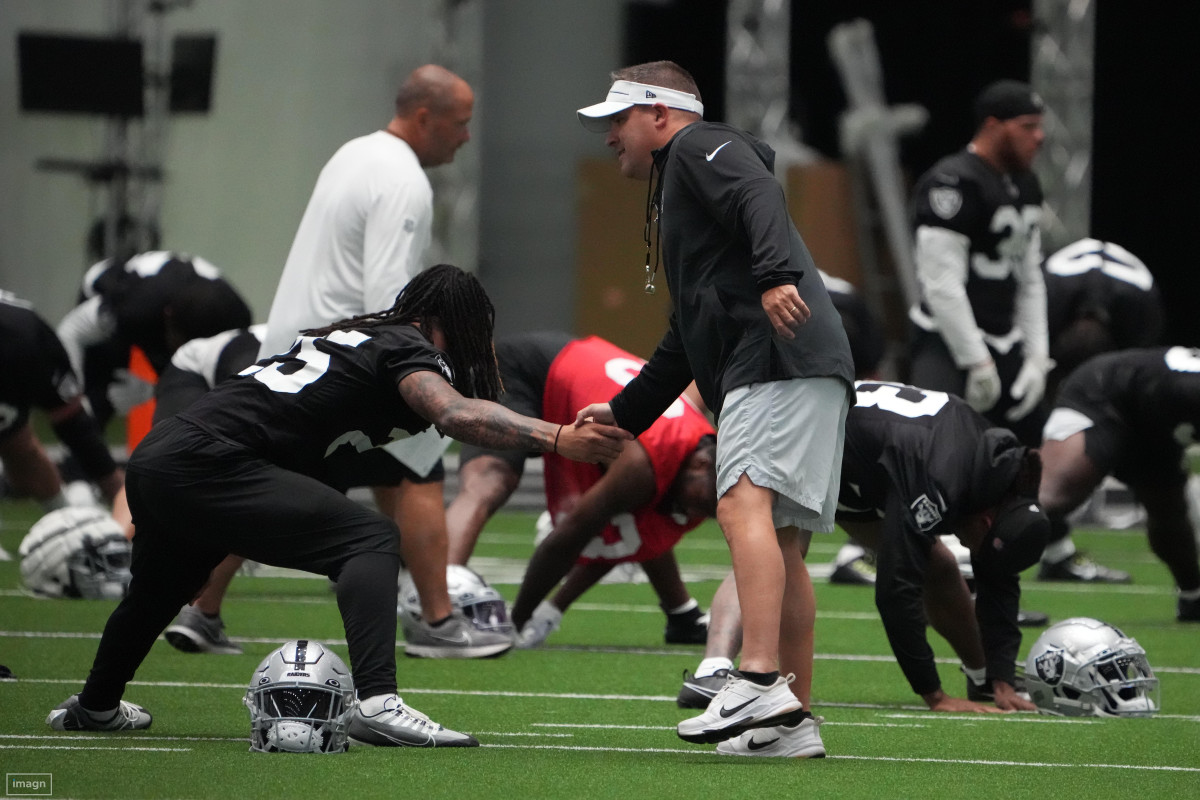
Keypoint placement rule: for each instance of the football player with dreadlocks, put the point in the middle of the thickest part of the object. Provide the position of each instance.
(245, 470)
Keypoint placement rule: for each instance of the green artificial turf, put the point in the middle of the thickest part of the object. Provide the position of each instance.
(591, 715)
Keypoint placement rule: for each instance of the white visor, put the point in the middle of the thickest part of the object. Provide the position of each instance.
(626, 94)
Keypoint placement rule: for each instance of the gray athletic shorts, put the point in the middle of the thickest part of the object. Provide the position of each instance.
(787, 436)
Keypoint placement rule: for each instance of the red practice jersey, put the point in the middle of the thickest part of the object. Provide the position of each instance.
(592, 370)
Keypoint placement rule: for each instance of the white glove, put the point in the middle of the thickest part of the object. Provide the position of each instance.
(545, 621)
(128, 390)
(1029, 387)
(983, 386)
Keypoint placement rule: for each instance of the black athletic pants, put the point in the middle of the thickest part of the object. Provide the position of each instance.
(196, 499)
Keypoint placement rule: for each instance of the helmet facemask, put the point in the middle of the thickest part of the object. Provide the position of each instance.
(300, 699)
(76, 552)
(100, 568)
(1084, 667)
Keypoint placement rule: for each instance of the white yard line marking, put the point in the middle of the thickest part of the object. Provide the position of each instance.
(937, 717)
(94, 747)
(536, 733)
(625, 651)
(909, 760)
(600, 726)
(897, 709)
(124, 737)
(1027, 717)
(117, 745)
(598, 749)
(988, 762)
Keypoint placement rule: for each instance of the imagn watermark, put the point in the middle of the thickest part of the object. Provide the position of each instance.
(28, 784)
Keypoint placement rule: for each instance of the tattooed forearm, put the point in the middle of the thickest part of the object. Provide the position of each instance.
(476, 422)
(491, 425)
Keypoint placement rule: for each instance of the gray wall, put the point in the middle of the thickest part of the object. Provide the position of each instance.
(294, 79)
(542, 61)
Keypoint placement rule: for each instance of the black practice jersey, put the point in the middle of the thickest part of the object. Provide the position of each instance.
(34, 368)
(998, 214)
(135, 293)
(1151, 395)
(338, 391)
(921, 461)
(1090, 279)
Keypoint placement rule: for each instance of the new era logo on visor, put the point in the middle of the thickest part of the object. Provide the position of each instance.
(650, 93)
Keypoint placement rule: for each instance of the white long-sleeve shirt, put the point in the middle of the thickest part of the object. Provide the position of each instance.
(364, 235)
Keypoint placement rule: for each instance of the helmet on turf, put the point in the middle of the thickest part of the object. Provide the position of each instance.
(300, 698)
(469, 593)
(76, 552)
(1083, 667)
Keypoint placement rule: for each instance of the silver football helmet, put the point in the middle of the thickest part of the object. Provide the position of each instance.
(1083, 667)
(76, 552)
(300, 698)
(469, 593)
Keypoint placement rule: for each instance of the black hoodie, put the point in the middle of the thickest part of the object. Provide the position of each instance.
(726, 237)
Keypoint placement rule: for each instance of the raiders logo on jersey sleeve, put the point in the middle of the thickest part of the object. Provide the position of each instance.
(945, 201)
(449, 373)
(925, 513)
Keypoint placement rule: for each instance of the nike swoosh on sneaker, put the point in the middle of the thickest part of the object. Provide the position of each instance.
(756, 745)
(713, 154)
(460, 638)
(429, 742)
(726, 711)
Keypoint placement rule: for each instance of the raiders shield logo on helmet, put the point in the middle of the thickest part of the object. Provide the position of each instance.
(1049, 666)
(945, 201)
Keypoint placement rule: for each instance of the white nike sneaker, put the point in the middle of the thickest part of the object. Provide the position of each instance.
(387, 722)
(741, 705)
(782, 741)
(70, 716)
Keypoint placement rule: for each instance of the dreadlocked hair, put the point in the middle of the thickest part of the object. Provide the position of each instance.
(454, 299)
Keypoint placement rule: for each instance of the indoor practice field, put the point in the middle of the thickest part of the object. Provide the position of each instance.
(592, 713)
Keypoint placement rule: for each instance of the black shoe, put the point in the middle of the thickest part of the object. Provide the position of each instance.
(1082, 569)
(1032, 619)
(1188, 610)
(687, 627)
(859, 572)
(7, 675)
(984, 693)
(699, 692)
(980, 692)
